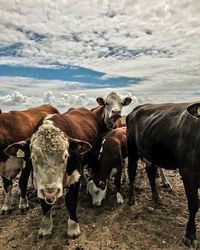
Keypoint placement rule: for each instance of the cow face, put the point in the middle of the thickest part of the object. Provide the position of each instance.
(50, 150)
(113, 106)
(97, 191)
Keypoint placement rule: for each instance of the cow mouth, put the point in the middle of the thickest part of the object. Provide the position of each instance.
(114, 118)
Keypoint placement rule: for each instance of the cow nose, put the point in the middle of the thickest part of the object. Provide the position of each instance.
(50, 193)
(116, 112)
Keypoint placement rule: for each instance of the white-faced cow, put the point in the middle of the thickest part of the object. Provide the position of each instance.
(16, 126)
(111, 163)
(110, 109)
(107, 113)
(58, 149)
(167, 135)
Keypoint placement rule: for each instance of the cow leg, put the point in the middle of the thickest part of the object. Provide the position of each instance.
(191, 190)
(47, 222)
(151, 173)
(71, 201)
(132, 168)
(164, 179)
(124, 173)
(120, 199)
(7, 205)
(23, 182)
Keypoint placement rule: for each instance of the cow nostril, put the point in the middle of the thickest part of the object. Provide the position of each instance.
(115, 111)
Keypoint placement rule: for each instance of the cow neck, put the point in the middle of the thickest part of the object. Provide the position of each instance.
(100, 114)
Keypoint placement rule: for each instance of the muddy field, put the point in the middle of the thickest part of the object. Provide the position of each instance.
(111, 226)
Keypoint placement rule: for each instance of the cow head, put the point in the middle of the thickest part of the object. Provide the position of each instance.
(113, 107)
(50, 149)
(194, 110)
(97, 190)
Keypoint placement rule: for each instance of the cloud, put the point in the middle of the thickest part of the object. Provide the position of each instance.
(156, 44)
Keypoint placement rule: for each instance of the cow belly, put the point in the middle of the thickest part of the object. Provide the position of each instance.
(160, 156)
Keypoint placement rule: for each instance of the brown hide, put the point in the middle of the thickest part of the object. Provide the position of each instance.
(17, 126)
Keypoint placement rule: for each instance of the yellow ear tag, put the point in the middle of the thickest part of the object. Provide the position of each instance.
(20, 153)
(198, 111)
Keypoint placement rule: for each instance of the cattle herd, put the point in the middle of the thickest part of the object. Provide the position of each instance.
(90, 147)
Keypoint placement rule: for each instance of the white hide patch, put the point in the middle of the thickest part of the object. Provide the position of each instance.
(73, 228)
(120, 199)
(112, 175)
(7, 205)
(97, 193)
(71, 179)
(11, 167)
(23, 203)
(46, 225)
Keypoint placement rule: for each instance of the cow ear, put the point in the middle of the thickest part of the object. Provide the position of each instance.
(126, 101)
(100, 101)
(194, 110)
(18, 149)
(81, 146)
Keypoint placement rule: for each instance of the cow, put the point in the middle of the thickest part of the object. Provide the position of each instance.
(107, 113)
(109, 110)
(57, 149)
(16, 126)
(111, 163)
(167, 135)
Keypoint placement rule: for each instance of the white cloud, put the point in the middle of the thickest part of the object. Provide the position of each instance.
(155, 40)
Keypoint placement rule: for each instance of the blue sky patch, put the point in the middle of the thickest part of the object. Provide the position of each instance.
(93, 79)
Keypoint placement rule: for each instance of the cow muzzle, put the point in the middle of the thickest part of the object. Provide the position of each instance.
(50, 195)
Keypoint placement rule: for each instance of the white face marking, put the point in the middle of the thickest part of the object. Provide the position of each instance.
(49, 152)
(97, 193)
(11, 167)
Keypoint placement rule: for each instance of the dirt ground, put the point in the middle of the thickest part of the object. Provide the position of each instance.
(110, 226)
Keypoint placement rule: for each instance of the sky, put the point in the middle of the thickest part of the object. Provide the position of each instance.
(69, 52)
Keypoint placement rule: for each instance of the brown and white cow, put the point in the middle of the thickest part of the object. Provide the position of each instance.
(56, 150)
(16, 126)
(110, 109)
(107, 113)
(111, 163)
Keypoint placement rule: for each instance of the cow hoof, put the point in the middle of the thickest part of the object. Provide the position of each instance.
(120, 199)
(44, 235)
(5, 211)
(73, 229)
(190, 243)
(159, 203)
(131, 202)
(24, 210)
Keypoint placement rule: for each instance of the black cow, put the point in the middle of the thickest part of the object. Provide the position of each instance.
(167, 135)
